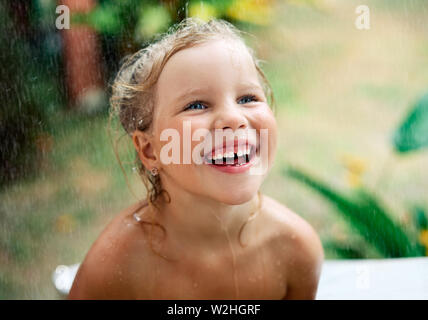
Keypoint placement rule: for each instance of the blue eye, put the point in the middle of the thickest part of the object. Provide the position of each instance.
(248, 99)
(197, 105)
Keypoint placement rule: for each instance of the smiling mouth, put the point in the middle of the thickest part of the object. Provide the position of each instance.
(234, 159)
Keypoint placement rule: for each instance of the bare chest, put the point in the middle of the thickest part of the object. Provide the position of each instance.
(258, 276)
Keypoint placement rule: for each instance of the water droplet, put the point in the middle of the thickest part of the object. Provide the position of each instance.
(278, 262)
(195, 284)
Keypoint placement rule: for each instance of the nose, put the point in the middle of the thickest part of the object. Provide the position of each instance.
(230, 116)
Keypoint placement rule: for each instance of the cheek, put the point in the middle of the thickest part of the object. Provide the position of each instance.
(265, 119)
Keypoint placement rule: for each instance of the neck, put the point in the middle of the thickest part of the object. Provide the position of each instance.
(194, 220)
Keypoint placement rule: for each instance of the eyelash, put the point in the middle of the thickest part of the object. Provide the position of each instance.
(253, 97)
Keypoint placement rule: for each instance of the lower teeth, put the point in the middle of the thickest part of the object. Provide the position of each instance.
(231, 164)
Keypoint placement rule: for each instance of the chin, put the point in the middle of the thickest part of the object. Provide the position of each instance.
(237, 196)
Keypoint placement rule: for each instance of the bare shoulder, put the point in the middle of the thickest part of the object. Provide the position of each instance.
(300, 248)
(289, 224)
(107, 271)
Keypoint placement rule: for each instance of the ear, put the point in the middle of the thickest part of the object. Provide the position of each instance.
(143, 143)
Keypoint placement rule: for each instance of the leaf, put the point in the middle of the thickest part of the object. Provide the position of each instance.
(343, 250)
(420, 218)
(413, 132)
(366, 216)
(106, 19)
(153, 19)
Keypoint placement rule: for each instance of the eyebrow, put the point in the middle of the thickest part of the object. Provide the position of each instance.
(250, 86)
(189, 93)
(193, 91)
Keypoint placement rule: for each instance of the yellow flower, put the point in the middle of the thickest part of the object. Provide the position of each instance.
(355, 167)
(423, 238)
(354, 164)
(204, 11)
(254, 11)
(354, 180)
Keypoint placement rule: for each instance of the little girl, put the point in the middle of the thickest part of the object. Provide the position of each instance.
(204, 231)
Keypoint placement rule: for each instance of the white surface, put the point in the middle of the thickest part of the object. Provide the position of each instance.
(403, 278)
(389, 279)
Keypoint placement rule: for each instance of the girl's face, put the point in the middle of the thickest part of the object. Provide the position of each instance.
(211, 86)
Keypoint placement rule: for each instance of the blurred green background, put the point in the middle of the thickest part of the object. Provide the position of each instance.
(352, 113)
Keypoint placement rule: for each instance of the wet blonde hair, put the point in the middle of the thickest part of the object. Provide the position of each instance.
(133, 90)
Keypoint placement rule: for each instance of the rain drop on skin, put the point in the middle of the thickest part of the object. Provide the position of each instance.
(136, 217)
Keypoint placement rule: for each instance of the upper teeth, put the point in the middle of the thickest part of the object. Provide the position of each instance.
(230, 154)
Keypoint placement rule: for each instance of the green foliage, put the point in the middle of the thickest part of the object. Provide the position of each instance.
(420, 218)
(142, 20)
(153, 19)
(104, 19)
(9, 289)
(344, 251)
(29, 92)
(413, 132)
(366, 216)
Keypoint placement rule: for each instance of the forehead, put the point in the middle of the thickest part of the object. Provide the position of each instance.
(208, 64)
